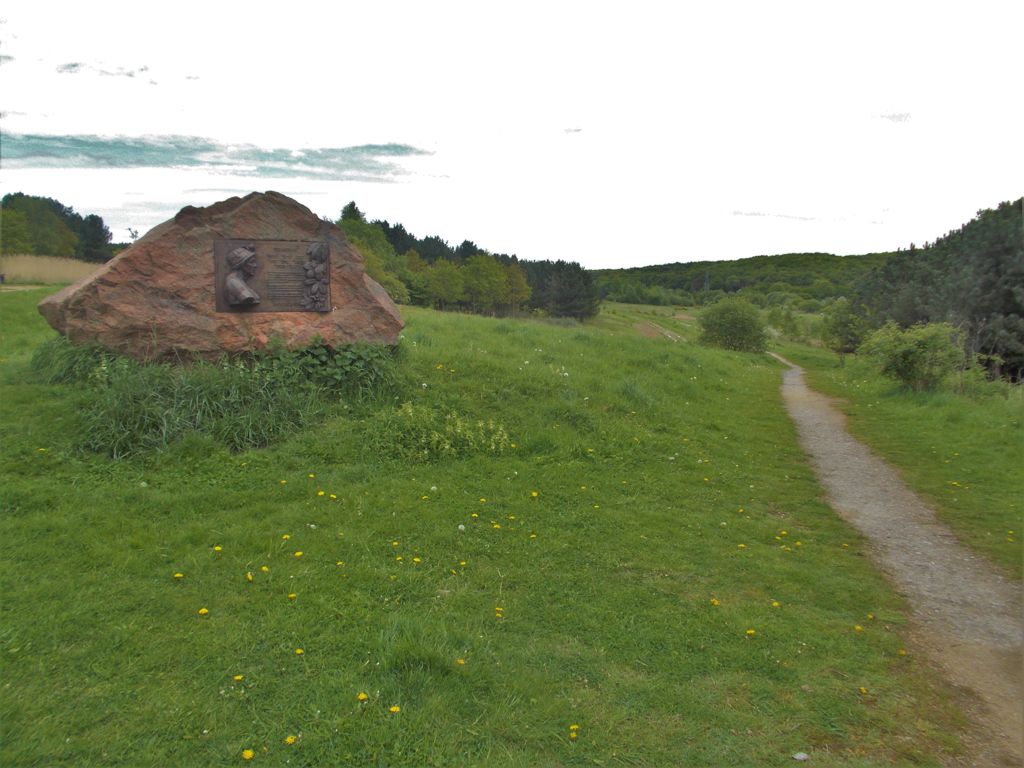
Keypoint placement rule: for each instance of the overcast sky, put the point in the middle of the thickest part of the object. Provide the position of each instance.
(613, 134)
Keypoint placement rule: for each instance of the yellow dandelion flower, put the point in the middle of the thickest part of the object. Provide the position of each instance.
(286, 536)
(776, 603)
(238, 678)
(290, 739)
(597, 506)
(299, 652)
(298, 553)
(333, 497)
(751, 632)
(474, 515)
(340, 563)
(574, 727)
(871, 617)
(781, 533)
(292, 595)
(534, 494)
(394, 709)
(424, 498)
(742, 546)
(798, 544)
(715, 601)
(846, 546)
(248, 754)
(461, 662)
(495, 525)
(179, 575)
(310, 475)
(902, 652)
(462, 563)
(283, 482)
(264, 569)
(858, 628)
(863, 691)
(417, 560)
(398, 558)
(483, 500)
(319, 493)
(217, 548)
(533, 535)
(203, 611)
(573, 735)
(394, 543)
(361, 697)
(248, 576)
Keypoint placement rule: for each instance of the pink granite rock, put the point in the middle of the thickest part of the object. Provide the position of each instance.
(158, 298)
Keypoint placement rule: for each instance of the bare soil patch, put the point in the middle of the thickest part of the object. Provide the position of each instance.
(966, 615)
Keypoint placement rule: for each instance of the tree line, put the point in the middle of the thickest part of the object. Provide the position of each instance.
(42, 226)
(972, 278)
(804, 281)
(429, 272)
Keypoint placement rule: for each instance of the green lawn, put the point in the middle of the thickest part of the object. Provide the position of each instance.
(649, 577)
(963, 452)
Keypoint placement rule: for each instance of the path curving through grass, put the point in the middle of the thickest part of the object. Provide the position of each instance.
(967, 616)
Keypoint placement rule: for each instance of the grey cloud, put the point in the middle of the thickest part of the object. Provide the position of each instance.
(75, 67)
(366, 162)
(5, 59)
(773, 215)
(897, 117)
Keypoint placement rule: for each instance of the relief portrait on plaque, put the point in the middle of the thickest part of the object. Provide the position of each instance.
(272, 275)
(243, 265)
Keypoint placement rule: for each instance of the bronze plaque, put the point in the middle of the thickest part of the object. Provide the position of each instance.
(272, 275)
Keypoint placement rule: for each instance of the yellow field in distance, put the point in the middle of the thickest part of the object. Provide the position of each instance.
(25, 269)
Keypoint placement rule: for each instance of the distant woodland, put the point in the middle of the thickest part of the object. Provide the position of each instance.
(802, 280)
(41, 226)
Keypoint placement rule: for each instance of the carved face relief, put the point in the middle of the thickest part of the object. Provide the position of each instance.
(272, 276)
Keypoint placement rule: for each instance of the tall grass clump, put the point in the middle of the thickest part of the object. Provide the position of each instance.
(242, 403)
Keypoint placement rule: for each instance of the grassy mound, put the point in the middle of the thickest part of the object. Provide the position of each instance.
(640, 571)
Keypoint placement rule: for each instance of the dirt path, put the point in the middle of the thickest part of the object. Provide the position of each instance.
(967, 618)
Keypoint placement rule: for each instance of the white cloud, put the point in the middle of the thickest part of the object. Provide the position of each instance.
(587, 131)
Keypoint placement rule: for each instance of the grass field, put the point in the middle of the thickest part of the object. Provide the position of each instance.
(963, 451)
(47, 270)
(643, 574)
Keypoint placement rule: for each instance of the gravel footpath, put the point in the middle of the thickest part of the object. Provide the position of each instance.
(966, 616)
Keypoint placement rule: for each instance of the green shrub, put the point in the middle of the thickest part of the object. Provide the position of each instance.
(417, 433)
(842, 329)
(359, 370)
(733, 324)
(920, 357)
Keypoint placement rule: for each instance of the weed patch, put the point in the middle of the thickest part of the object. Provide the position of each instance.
(415, 433)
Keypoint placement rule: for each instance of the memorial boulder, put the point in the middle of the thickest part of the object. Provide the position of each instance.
(228, 278)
